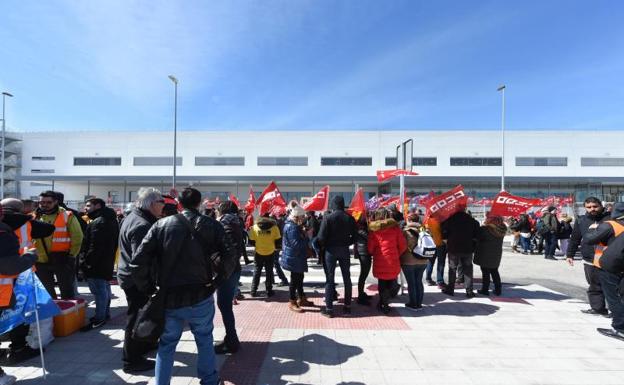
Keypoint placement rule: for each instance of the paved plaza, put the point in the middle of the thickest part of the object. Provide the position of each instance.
(529, 335)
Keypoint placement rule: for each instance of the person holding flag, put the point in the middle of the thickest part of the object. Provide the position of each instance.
(12, 263)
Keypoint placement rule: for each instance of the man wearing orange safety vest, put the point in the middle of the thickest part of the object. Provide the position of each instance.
(27, 230)
(11, 264)
(57, 253)
(602, 236)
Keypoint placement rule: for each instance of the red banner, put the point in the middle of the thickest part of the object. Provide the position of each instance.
(507, 205)
(357, 206)
(319, 201)
(384, 175)
(441, 207)
(271, 197)
(250, 206)
(234, 199)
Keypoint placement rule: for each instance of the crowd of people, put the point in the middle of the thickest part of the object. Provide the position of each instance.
(173, 255)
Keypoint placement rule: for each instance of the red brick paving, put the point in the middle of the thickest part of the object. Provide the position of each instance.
(256, 318)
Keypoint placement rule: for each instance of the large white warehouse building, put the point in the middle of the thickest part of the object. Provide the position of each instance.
(114, 165)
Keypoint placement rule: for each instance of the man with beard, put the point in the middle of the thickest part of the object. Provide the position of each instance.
(594, 214)
(57, 253)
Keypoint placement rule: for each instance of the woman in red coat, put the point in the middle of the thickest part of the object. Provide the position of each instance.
(386, 243)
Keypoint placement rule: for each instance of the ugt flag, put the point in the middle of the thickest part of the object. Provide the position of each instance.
(271, 197)
(319, 201)
(507, 205)
(443, 206)
(250, 206)
(28, 287)
(357, 207)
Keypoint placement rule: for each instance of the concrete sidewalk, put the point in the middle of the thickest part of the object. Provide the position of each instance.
(529, 335)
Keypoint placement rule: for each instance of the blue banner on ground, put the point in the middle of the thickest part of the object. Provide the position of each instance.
(28, 287)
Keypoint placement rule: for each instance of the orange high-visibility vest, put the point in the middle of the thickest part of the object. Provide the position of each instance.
(24, 238)
(600, 248)
(61, 240)
(6, 288)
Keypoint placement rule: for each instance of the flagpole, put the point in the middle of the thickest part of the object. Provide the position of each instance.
(38, 328)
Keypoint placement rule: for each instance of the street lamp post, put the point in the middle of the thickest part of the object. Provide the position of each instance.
(502, 90)
(175, 129)
(4, 95)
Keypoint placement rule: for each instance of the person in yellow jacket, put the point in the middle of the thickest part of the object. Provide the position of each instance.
(57, 253)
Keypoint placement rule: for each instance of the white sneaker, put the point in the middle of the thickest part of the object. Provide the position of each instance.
(7, 379)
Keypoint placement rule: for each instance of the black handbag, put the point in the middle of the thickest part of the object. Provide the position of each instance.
(150, 323)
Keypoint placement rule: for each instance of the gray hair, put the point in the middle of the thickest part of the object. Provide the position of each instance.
(146, 197)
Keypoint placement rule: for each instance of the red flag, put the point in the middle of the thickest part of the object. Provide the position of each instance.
(319, 201)
(441, 207)
(507, 205)
(233, 199)
(270, 197)
(357, 206)
(384, 175)
(250, 206)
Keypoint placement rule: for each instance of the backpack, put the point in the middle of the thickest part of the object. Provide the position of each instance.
(426, 247)
(542, 228)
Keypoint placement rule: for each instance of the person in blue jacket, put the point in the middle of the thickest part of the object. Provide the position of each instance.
(294, 257)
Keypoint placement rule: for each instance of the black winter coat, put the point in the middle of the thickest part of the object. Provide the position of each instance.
(565, 230)
(338, 229)
(233, 228)
(169, 257)
(133, 229)
(461, 232)
(100, 244)
(490, 246)
(580, 229)
(11, 263)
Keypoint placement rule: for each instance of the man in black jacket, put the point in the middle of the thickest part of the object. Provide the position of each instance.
(147, 208)
(460, 231)
(338, 231)
(12, 263)
(605, 234)
(19, 350)
(593, 216)
(176, 256)
(98, 257)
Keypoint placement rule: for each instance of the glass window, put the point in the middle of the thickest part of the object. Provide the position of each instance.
(98, 161)
(391, 161)
(475, 161)
(602, 162)
(42, 171)
(219, 161)
(282, 161)
(425, 161)
(43, 158)
(156, 161)
(542, 161)
(346, 161)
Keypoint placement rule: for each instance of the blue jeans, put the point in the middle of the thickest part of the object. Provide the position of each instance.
(525, 243)
(340, 256)
(101, 290)
(199, 317)
(225, 296)
(550, 244)
(415, 287)
(440, 256)
(609, 283)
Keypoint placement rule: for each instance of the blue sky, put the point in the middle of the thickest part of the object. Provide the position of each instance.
(352, 64)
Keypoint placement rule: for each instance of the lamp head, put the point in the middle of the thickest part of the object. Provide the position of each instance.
(173, 79)
(501, 88)
(7, 94)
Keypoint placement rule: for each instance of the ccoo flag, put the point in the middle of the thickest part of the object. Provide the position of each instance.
(357, 206)
(507, 205)
(442, 206)
(270, 198)
(319, 201)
